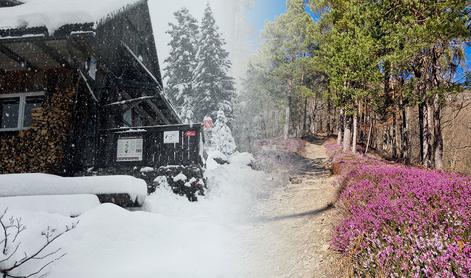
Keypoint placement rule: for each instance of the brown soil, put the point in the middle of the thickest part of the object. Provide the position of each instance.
(289, 235)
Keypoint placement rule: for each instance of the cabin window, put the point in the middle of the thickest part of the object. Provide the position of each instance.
(92, 68)
(131, 118)
(16, 110)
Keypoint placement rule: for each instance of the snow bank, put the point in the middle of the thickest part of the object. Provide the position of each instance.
(242, 159)
(232, 190)
(55, 13)
(111, 242)
(67, 205)
(44, 184)
(170, 238)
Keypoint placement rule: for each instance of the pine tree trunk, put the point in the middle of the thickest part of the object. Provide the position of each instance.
(305, 131)
(405, 141)
(369, 135)
(427, 145)
(421, 132)
(340, 125)
(329, 123)
(286, 129)
(438, 138)
(394, 137)
(347, 134)
(355, 131)
(288, 113)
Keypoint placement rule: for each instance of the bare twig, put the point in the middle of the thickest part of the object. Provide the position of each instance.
(17, 228)
(5, 240)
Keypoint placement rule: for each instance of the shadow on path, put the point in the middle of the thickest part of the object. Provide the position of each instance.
(296, 215)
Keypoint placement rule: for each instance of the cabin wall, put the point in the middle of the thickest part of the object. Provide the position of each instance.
(43, 147)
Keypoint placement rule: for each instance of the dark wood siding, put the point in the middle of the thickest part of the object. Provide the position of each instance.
(155, 153)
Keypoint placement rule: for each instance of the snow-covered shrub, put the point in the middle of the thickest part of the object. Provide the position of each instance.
(188, 116)
(183, 180)
(222, 135)
(403, 221)
(218, 157)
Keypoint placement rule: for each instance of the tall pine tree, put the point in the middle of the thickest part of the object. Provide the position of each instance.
(214, 87)
(181, 63)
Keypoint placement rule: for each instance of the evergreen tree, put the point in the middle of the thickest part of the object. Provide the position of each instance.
(181, 62)
(222, 135)
(289, 45)
(214, 88)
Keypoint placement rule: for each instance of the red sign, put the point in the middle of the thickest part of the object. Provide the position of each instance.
(208, 123)
(190, 133)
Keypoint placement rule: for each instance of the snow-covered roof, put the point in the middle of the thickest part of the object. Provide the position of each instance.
(53, 14)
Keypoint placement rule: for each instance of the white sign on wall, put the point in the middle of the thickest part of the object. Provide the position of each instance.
(171, 137)
(129, 149)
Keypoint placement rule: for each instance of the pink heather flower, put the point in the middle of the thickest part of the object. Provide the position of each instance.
(403, 221)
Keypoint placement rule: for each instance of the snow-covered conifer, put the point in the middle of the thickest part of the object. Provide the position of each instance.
(222, 135)
(181, 63)
(187, 116)
(214, 88)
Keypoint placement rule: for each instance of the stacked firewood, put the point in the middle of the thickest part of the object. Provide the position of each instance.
(40, 148)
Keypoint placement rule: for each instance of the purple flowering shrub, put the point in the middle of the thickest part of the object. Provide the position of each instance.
(403, 221)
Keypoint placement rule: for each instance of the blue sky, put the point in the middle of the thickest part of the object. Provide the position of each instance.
(263, 11)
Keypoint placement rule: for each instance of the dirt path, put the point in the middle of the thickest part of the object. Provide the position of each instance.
(289, 236)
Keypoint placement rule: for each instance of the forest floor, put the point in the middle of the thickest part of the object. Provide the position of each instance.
(292, 225)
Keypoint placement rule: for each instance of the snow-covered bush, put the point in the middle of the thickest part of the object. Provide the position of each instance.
(188, 116)
(182, 180)
(222, 135)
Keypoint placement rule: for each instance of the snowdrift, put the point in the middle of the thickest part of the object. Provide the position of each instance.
(44, 184)
(55, 13)
(66, 205)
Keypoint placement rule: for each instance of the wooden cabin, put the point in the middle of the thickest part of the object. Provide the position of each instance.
(80, 92)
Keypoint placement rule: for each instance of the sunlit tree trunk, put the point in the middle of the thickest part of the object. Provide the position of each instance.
(329, 118)
(405, 141)
(347, 134)
(394, 144)
(305, 129)
(370, 130)
(355, 129)
(438, 137)
(288, 112)
(427, 135)
(340, 125)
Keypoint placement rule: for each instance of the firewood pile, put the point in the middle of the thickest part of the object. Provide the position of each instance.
(40, 148)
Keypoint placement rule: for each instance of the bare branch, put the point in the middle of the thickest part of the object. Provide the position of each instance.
(50, 237)
(5, 241)
(11, 255)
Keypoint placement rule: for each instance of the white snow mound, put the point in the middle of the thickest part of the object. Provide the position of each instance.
(55, 13)
(66, 205)
(44, 184)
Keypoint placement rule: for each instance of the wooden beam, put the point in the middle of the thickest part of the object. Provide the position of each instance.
(51, 52)
(128, 100)
(135, 84)
(142, 111)
(159, 112)
(197, 127)
(158, 88)
(17, 58)
(92, 94)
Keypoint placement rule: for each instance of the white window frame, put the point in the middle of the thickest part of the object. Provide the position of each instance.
(21, 109)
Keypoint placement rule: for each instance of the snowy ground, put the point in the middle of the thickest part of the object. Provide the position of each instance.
(169, 238)
(250, 224)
